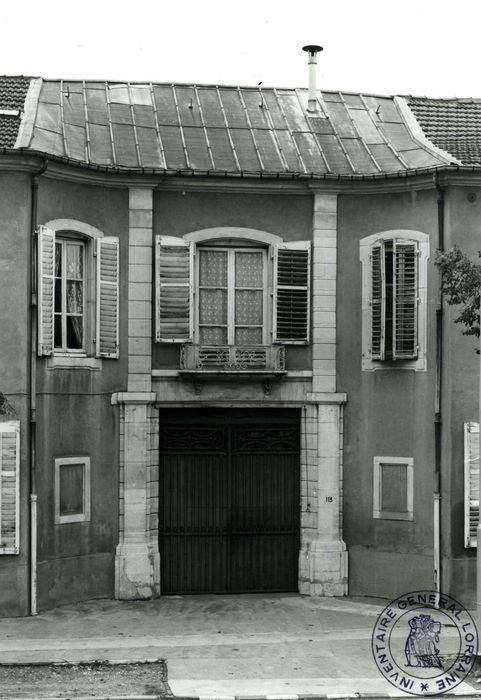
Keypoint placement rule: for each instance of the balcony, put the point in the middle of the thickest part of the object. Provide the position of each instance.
(226, 361)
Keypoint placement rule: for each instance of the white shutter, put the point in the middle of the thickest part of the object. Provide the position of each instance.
(46, 287)
(174, 271)
(471, 483)
(405, 300)
(9, 487)
(107, 335)
(292, 299)
(378, 301)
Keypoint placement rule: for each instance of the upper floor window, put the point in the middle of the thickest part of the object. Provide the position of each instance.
(232, 292)
(78, 292)
(394, 300)
(231, 299)
(69, 317)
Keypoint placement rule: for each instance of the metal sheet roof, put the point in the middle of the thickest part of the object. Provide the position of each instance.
(208, 128)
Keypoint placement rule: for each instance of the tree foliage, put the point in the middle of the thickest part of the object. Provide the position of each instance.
(461, 285)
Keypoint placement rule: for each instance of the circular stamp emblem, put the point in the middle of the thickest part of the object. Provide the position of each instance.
(424, 643)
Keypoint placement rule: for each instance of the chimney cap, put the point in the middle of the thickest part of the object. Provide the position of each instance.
(312, 48)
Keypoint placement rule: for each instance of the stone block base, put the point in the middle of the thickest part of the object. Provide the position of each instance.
(323, 568)
(137, 572)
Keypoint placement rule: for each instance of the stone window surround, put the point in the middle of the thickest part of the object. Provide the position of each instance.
(377, 506)
(64, 360)
(76, 517)
(365, 247)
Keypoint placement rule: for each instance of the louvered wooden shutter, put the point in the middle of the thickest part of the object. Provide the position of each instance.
(174, 265)
(471, 483)
(292, 267)
(405, 300)
(46, 282)
(107, 335)
(9, 487)
(378, 301)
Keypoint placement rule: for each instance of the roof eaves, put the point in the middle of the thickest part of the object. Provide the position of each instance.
(400, 174)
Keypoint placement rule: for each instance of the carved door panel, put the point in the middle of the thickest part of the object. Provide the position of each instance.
(228, 503)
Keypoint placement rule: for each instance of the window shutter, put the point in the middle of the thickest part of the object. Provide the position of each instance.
(405, 300)
(471, 483)
(174, 264)
(9, 487)
(378, 301)
(292, 292)
(46, 285)
(107, 335)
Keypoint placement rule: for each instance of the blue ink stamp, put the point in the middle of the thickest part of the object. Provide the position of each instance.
(425, 643)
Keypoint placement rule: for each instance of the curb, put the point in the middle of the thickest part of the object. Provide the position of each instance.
(333, 696)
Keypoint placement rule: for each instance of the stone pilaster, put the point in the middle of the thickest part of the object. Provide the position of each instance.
(323, 556)
(140, 290)
(324, 293)
(137, 565)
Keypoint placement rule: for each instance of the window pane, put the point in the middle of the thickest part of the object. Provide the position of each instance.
(71, 478)
(74, 332)
(58, 295)
(58, 259)
(248, 307)
(248, 270)
(213, 336)
(248, 336)
(213, 306)
(74, 261)
(57, 331)
(213, 268)
(74, 297)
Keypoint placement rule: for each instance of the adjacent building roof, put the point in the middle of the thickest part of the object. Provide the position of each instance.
(202, 129)
(453, 125)
(13, 90)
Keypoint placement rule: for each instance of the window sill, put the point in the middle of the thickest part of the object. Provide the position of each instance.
(226, 374)
(73, 362)
(369, 365)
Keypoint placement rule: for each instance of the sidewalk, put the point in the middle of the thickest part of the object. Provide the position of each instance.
(217, 646)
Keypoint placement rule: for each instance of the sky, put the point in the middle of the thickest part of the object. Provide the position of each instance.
(417, 47)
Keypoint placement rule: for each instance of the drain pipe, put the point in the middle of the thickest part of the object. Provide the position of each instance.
(438, 401)
(33, 385)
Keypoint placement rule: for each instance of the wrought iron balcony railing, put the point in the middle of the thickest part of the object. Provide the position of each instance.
(232, 358)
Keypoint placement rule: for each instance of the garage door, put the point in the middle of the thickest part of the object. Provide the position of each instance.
(229, 501)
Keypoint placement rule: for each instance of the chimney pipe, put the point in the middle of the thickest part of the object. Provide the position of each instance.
(312, 50)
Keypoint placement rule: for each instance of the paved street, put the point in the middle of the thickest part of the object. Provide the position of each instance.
(216, 645)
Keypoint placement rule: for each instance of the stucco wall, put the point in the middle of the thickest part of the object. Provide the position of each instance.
(460, 401)
(389, 412)
(75, 418)
(14, 355)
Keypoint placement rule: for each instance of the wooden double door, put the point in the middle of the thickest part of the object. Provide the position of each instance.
(229, 511)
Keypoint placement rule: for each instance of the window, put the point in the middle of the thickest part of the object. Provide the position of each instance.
(229, 292)
(231, 306)
(78, 292)
(471, 483)
(69, 321)
(9, 487)
(72, 490)
(393, 488)
(394, 300)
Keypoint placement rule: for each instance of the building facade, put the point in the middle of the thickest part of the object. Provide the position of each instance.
(225, 362)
